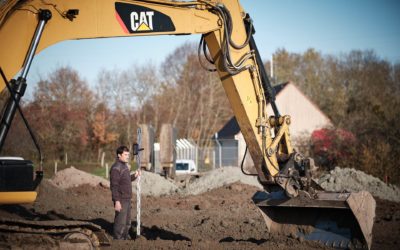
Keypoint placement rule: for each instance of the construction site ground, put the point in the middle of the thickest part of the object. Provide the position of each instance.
(213, 211)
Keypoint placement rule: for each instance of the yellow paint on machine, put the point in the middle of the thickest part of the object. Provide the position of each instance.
(17, 197)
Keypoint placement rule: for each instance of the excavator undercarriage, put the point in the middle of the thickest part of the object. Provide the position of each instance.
(68, 233)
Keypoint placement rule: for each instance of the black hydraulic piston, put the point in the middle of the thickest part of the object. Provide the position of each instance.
(266, 84)
(18, 86)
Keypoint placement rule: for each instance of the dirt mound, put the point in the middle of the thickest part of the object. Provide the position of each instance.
(72, 177)
(339, 179)
(349, 179)
(151, 184)
(155, 185)
(218, 178)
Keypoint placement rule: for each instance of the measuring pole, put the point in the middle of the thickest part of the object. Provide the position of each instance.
(139, 138)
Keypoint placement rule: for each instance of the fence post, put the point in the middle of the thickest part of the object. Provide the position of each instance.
(103, 154)
(197, 156)
(55, 167)
(106, 170)
(213, 153)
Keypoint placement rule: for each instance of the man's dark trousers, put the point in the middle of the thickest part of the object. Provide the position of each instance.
(122, 221)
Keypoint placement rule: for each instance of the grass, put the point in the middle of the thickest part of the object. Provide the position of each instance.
(99, 171)
(89, 167)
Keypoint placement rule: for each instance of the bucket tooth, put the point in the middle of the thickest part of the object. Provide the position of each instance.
(335, 219)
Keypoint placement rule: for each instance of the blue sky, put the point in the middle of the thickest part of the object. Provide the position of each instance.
(329, 26)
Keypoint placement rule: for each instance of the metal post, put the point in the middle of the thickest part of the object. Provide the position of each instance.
(213, 154)
(219, 150)
(197, 156)
(103, 154)
(272, 66)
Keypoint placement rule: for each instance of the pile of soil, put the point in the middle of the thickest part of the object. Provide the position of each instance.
(218, 178)
(72, 177)
(156, 185)
(223, 217)
(349, 179)
(337, 180)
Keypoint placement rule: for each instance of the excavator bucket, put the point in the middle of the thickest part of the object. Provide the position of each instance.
(339, 220)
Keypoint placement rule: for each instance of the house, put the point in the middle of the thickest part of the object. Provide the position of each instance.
(305, 116)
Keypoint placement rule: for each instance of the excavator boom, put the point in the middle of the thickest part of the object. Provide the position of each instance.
(28, 27)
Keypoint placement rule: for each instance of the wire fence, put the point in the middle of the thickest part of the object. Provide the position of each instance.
(220, 153)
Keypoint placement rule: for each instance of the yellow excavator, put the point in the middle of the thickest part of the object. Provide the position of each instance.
(291, 203)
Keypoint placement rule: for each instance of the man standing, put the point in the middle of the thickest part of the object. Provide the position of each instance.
(121, 191)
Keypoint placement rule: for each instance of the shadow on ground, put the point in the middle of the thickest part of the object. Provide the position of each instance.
(252, 240)
(156, 233)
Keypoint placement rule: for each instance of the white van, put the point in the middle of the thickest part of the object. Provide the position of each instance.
(185, 167)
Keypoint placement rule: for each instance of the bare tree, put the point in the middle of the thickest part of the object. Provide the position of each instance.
(62, 108)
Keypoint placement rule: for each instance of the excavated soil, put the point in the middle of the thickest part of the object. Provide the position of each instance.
(221, 218)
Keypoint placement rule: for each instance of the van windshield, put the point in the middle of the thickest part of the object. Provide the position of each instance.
(182, 166)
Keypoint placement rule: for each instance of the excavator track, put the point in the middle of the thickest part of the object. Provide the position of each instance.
(81, 234)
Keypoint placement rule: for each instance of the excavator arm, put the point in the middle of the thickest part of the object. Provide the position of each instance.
(27, 27)
(238, 68)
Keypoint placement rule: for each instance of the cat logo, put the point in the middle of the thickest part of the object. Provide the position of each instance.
(142, 21)
(139, 19)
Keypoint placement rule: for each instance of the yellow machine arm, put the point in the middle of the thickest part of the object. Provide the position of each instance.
(27, 27)
(238, 68)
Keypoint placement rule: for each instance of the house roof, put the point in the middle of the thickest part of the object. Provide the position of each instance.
(231, 128)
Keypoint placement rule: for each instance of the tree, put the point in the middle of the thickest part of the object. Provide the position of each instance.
(102, 134)
(190, 98)
(359, 92)
(62, 108)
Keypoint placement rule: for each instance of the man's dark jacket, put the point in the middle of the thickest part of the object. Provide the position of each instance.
(121, 181)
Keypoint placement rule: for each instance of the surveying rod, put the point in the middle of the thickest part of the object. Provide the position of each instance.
(139, 138)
